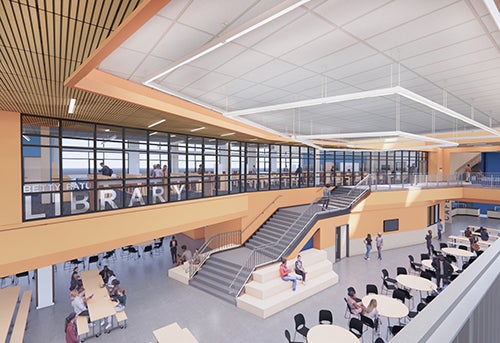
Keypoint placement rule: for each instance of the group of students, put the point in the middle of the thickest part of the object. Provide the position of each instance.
(356, 306)
(79, 301)
(299, 270)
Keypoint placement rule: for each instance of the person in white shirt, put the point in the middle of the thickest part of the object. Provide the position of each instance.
(372, 313)
(380, 244)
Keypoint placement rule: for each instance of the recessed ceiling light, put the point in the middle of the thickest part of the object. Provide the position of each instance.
(158, 122)
(71, 108)
(197, 129)
(227, 134)
(173, 136)
(107, 130)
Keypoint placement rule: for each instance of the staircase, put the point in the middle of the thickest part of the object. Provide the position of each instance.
(226, 272)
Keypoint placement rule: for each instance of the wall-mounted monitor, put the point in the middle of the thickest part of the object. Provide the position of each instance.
(391, 225)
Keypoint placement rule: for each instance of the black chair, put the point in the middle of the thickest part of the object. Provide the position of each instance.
(356, 327)
(93, 259)
(394, 329)
(424, 257)
(463, 247)
(434, 251)
(149, 249)
(426, 275)
(479, 252)
(451, 258)
(22, 274)
(287, 335)
(443, 245)
(110, 255)
(369, 323)
(133, 252)
(325, 317)
(399, 294)
(401, 271)
(371, 289)
(415, 266)
(300, 325)
(388, 283)
(379, 340)
(420, 307)
(158, 247)
(125, 250)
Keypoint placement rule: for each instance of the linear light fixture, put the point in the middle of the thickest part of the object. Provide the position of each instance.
(157, 123)
(27, 138)
(197, 129)
(315, 102)
(71, 107)
(153, 133)
(227, 134)
(494, 11)
(248, 27)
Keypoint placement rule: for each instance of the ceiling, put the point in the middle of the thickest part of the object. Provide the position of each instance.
(446, 51)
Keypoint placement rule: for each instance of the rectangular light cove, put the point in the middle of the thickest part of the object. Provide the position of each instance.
(71, 108)
(158, 122)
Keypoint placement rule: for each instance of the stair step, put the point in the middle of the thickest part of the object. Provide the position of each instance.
(221, 295)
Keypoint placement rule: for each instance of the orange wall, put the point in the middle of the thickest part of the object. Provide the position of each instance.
(10, 160)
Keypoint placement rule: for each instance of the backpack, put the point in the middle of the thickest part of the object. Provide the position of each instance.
(110, 173)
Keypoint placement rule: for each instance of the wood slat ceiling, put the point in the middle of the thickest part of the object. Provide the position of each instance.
(43, 41)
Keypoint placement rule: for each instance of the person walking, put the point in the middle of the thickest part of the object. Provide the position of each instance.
(368, 244)
(468, 170)
(440, 229)
(380, 243)
(428, 242)
(326, 197)
(173, 249)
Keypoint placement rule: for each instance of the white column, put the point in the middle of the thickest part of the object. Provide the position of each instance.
(45, 287)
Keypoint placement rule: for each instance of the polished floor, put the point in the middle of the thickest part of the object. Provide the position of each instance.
(154, 300)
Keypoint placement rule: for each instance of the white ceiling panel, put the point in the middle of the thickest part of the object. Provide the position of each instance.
(234, 86)
(210, 81)
(222, 13)
(448, 52)
(293, 76)
(341, 11)
(479, 6)
(268, 71)
(123, 61)
(343, 57)
(392, 15)
(154, 29)
(297, 33)
(174, 8)
(437, 21)
(150, 65)
(245, 62)
(255, 8)
(323, 46)
(361, 67)
(179, 41)
(219, 56)
(438, 40)
(254, 91)
(490, 23)
(183, 77)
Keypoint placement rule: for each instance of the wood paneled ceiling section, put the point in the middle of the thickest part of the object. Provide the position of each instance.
(43, 41)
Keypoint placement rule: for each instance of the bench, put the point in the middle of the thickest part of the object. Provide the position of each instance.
(267, 294)
(21, 318)
(121, 316)
(82, 325)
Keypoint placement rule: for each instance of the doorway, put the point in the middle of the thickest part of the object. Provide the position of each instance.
(341, 242)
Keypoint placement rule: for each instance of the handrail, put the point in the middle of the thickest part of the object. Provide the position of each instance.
(223, 241)
(365, 180)
(257, 257)
(261, 213)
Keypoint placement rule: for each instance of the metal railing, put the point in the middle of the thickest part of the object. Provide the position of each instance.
(362, 185)
(258, 258)
(219, 242)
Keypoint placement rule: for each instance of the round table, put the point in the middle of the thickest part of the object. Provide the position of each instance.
(457, 252)
(325, 333)
(387, 306)
(416, 282)
(428, 265)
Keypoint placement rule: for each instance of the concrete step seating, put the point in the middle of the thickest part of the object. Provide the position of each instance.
(174, 333)
(267, 294)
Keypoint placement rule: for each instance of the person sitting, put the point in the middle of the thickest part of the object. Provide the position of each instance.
(468, 232)
(111, 277)
(372, 313)
(284, 271)
(75, 282)
(299, 269)
(185, 256)
(484, 234)
(105, 273)
(355, 304)
(196, 257)
(78, 302)
(118, 295)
